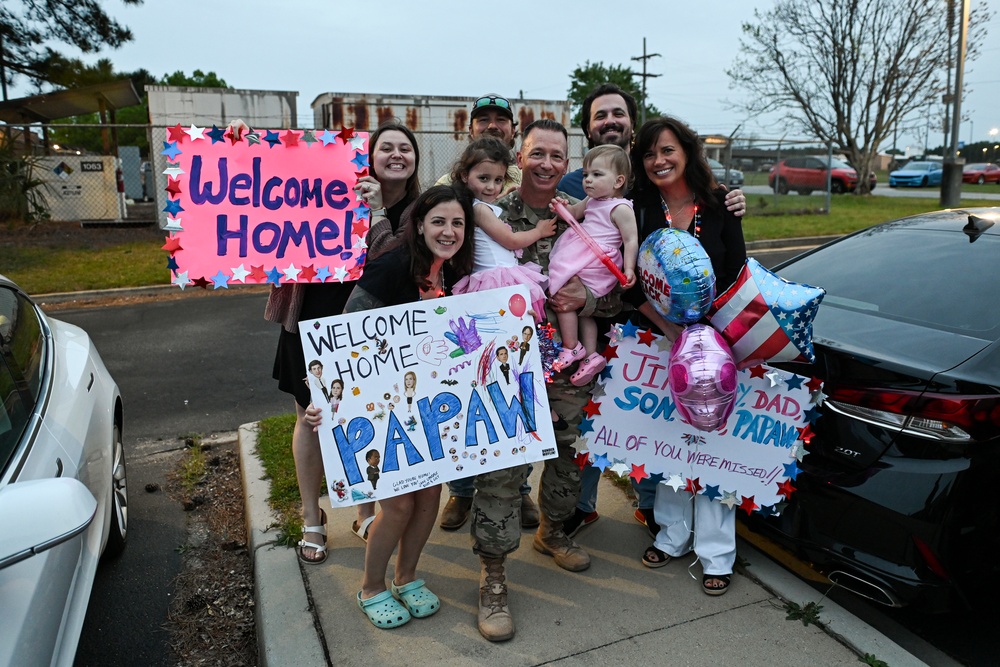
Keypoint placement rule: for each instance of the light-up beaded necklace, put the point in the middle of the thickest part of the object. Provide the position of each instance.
(697, 217)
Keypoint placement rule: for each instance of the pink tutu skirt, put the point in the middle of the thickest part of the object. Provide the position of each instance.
(528, 274)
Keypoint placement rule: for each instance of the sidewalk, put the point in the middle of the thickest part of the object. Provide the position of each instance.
(616, 612)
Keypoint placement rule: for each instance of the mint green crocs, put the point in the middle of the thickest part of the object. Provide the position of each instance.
(418, 599)
(383, 610)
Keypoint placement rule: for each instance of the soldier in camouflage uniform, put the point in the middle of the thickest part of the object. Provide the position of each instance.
(496, 531)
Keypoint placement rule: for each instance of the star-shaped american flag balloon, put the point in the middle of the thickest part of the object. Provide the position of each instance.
(766, 318)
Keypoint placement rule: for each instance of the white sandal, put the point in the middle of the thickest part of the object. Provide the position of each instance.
(361, 530)
(320, 548)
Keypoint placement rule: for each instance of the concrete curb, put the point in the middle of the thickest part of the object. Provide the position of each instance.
(285, 618)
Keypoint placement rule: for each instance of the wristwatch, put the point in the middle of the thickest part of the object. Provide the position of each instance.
(379, 211)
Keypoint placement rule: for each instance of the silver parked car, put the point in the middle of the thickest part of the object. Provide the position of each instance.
(735, 175)
(63, 492)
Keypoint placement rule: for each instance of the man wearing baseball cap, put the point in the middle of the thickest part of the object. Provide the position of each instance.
(492, 115)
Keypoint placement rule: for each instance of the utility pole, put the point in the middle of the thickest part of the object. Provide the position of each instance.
(951, 181)
(644, 57)
(3, 70)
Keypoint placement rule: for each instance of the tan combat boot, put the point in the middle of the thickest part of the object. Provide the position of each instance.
(552, 541)
(495, 622)
(529, 512)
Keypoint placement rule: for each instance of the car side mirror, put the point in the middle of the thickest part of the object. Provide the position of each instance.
(40, 514)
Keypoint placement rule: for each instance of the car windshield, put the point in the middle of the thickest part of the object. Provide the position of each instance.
(974, 167)
(921, 166)
(900, 271)
(838, 164)
(715, 164)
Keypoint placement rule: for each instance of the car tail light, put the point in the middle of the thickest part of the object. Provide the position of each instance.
(936, 416)
(930, 559)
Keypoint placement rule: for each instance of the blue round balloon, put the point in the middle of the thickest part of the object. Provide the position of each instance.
(676, 275)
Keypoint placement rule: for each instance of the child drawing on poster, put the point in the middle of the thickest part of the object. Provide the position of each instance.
(409, 389)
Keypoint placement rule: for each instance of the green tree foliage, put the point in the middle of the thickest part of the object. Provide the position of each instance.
(589, 76)
(848, 73)
(26, 25)
(198, 79)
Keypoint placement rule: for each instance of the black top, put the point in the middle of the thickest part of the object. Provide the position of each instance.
(721, 235)
(388, 282)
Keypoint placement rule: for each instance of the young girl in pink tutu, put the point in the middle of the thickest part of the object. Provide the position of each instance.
(481, 169)
(610, 221)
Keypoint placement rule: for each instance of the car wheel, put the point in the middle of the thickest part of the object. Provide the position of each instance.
(805, 192)
(982, 179)
(837, 187)
(118, 522)
(923, 182)
(782, 187)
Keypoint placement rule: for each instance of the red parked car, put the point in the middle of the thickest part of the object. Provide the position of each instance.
(981, 172)
(807, 173)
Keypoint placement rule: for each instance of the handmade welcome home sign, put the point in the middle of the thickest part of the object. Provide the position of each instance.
(427, 392)
(632, 426)
(264, 207)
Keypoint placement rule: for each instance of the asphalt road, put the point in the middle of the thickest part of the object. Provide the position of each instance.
(200, 364)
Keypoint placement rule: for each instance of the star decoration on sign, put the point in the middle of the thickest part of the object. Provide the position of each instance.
(274, 276)
(220, 279)
(774, 377)
(181, 279)
(173, 225)
(308, 273)
(675, 482)
(591, 408)
(601, 462)
(598, 391)
(173, 186)
(290, 138)
(580, 445)
(748, 505)
(757, 372)
(253, 138)
(176, 133)
(586, 426)
(200, 282)
(322, 274)
(172, 263)
(360, 160)
(173, 169)
(786, 489)
(814, 384)
(656, 478)
(308, 138)
(361, 210)
(619, 468)
(646, 337)
(328, 137)
(629, 329)
(799, 452)
(610, 352)
(240, 274)
(357, 143)
(233, 136)
(291, 273)
(339, 274)
(614, 334)
(729, 499)
(794, 381)
(359, 228)
(272, 138)
(361, 244)
(581, 460)
(173, 207)
(361, 174)
(812, 414)
(767, 510)
(171, 150)
(195, 132)
(345, 134)
(663, 344)
(606, 373)
(216, 134)
(638, 473)
(693, 485)
(257, 273)
(712, 491)
(792, 469)
(172, 245)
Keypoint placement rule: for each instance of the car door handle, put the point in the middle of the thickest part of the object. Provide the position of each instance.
(91, 383)
(59, 467)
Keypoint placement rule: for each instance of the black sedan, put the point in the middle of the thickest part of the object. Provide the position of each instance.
(899, 495)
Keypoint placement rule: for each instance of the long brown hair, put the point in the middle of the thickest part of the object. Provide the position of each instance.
(697, 173)
(479, 150)
(420, 255)
(413, 182)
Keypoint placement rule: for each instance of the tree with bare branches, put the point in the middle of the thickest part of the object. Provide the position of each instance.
(848, 72)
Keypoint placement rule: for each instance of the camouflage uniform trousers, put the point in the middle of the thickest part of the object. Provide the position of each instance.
(496, 507)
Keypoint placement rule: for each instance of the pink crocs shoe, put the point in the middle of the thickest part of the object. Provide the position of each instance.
(589, 367)
(568, 357)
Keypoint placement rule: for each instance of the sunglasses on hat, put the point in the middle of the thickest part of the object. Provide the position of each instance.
(491, 101)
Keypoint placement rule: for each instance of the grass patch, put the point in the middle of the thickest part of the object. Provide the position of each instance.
(274, 447)
(41, 270)
(191, 470)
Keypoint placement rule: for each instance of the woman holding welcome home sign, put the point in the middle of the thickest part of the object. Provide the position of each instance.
(391, 186)
(432, 251)
(675, 188)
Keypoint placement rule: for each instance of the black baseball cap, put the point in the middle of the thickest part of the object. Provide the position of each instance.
(487, 102)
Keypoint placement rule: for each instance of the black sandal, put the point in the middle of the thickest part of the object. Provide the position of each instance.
(715, 590)
(653, 557)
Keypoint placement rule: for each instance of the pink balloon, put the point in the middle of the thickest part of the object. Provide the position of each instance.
(517, 305)
(703, 379)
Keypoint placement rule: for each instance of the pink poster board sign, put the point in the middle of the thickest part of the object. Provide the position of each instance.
(270, 206)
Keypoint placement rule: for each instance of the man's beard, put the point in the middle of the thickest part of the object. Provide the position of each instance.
(624, 139)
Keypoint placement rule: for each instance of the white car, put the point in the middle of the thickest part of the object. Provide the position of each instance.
(63, 491)
(719, 170)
